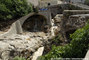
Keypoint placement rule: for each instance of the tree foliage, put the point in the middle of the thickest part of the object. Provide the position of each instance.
(12, 9)
(77, 48)
(19, 58)
(87, 2)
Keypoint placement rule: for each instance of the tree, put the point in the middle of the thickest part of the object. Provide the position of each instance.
(13, 9)
(87, 2)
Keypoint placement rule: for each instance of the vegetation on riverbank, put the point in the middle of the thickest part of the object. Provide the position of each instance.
(77, 48)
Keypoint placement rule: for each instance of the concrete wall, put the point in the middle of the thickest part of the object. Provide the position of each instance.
(76, 21)
(16, 27)
(68, 13)
(72, 20)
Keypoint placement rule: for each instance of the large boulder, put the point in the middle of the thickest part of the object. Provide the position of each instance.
(20, 45)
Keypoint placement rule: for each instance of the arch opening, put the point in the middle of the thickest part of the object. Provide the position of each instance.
(35, 23)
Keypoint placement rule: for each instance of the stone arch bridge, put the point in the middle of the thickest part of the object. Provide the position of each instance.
(16, 27)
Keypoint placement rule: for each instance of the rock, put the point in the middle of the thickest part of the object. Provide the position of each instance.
(87, 55)
(5, 55)
(38, 53)
(1, 32)
(21, 45)
(28, 39)
(57, 18)
(54, 30)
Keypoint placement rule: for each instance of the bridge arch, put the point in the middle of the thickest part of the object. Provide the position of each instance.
(35, 23)
(18, 26)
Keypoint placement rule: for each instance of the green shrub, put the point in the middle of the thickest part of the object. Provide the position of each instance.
(19, 58)
(56, 40)
(87, 2)
(76, 49)
(12, 9)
